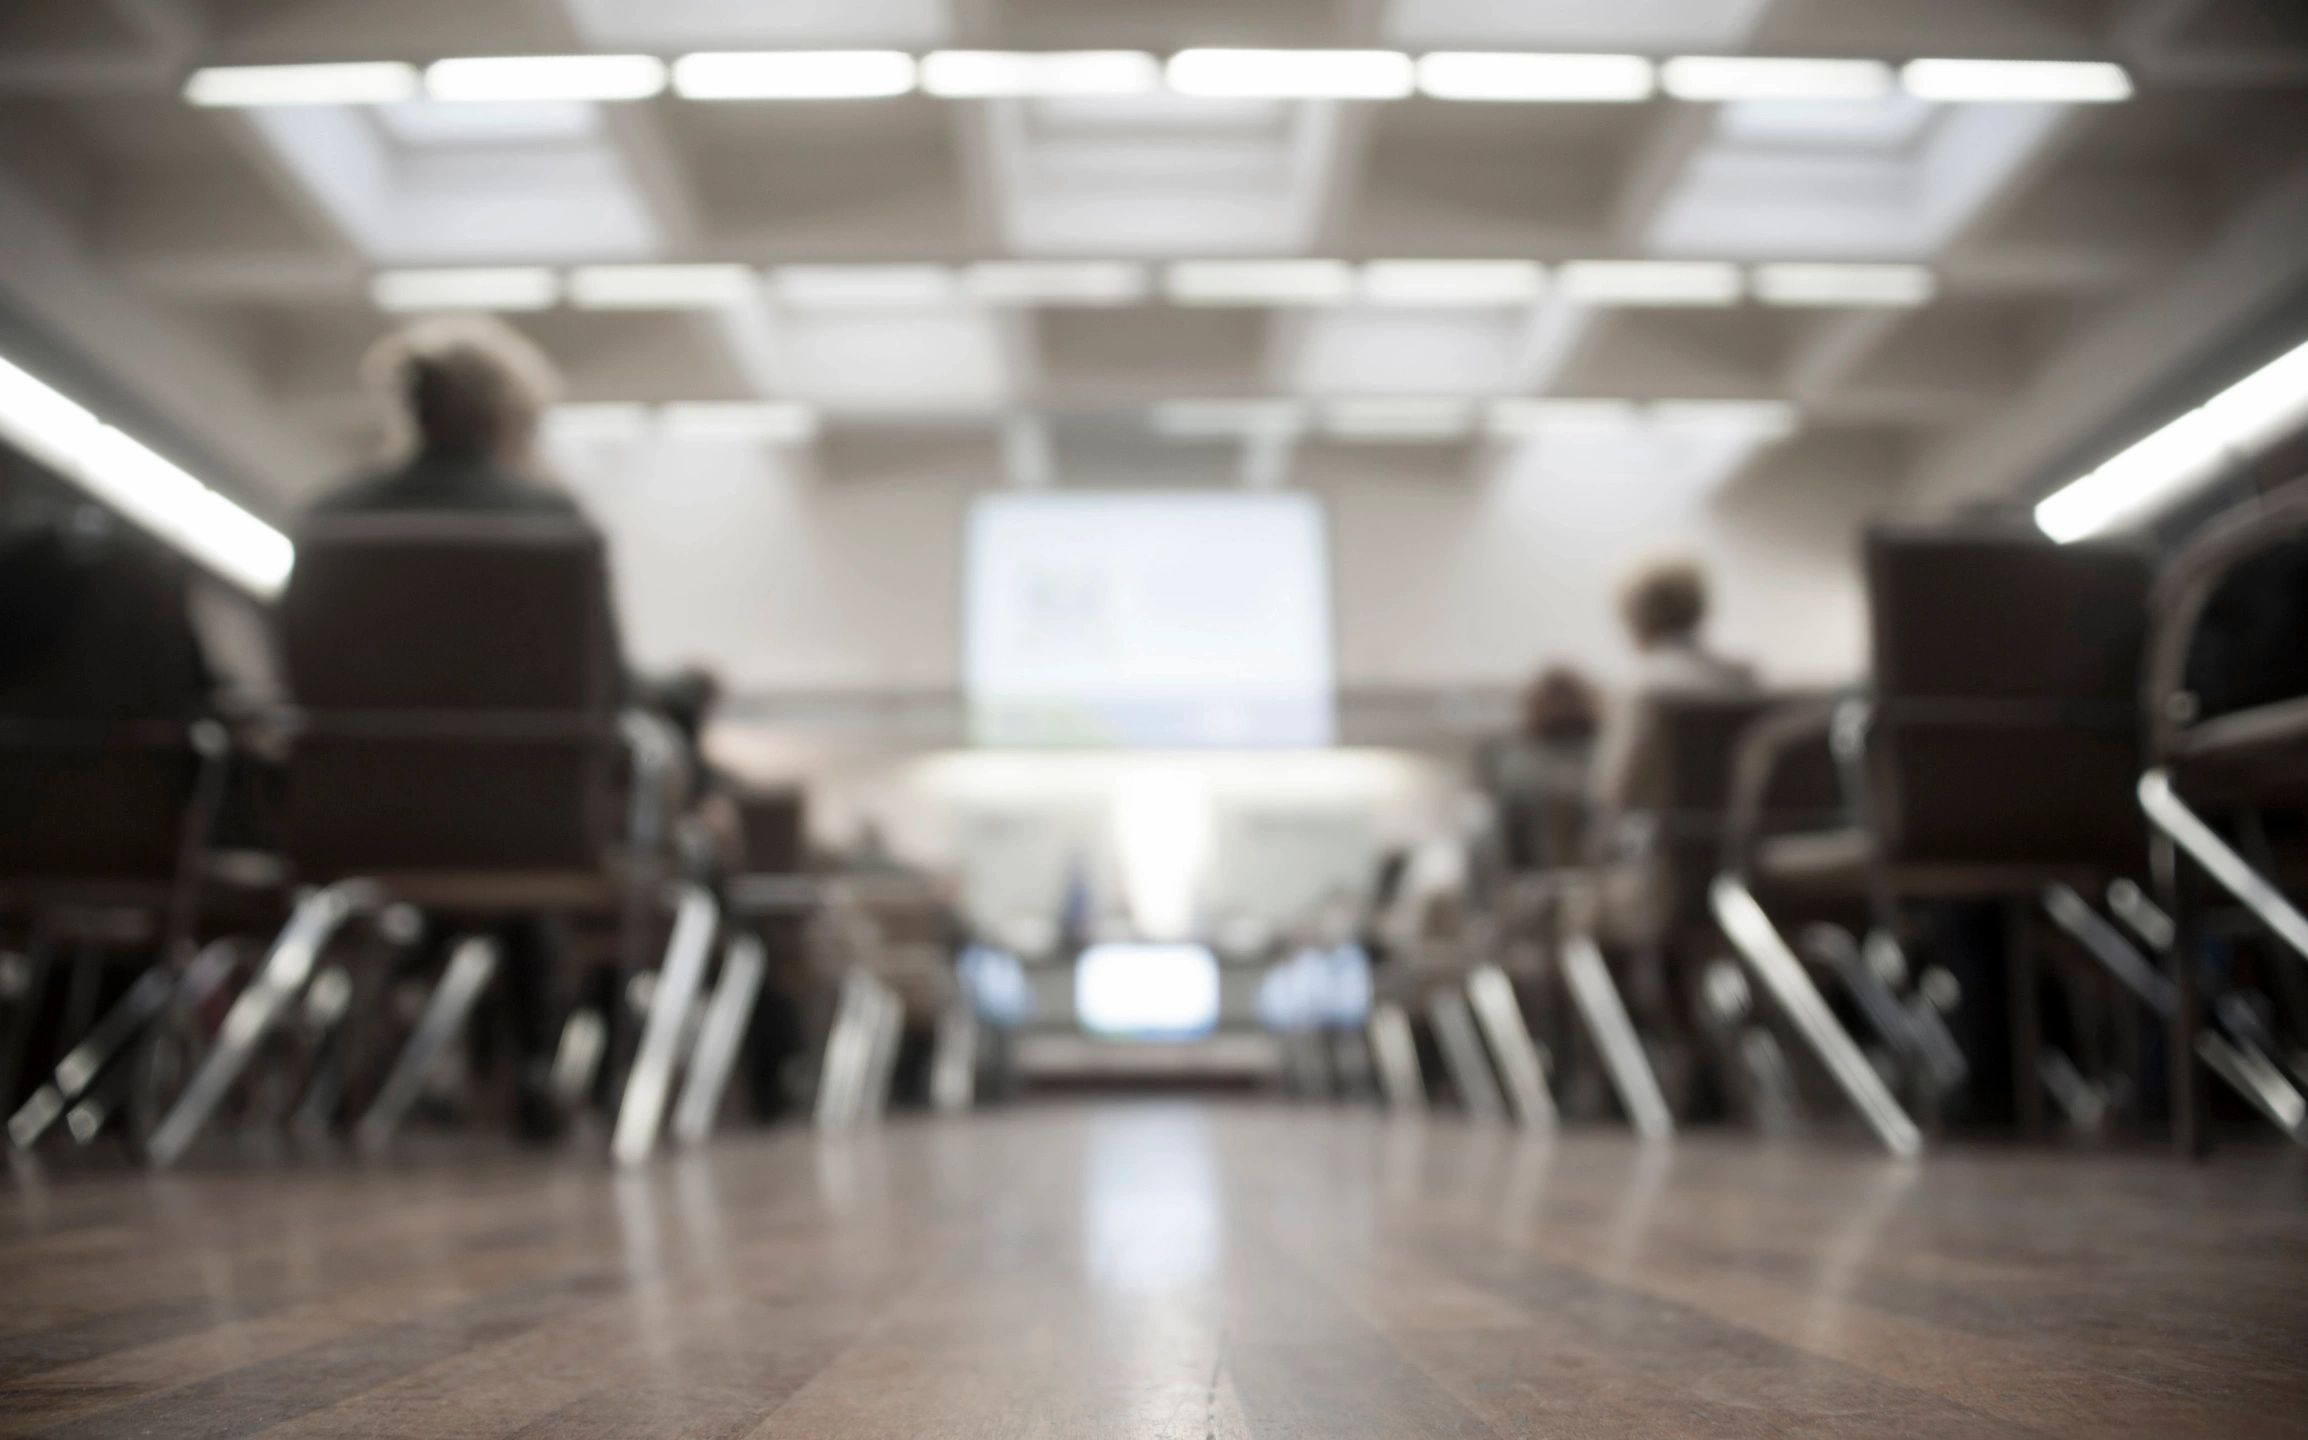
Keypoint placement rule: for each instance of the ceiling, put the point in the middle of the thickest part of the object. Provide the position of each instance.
(216, 264)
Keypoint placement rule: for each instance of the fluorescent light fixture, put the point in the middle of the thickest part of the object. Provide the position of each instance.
(1478, 75)
(2073, 82)
(794, 75)
(365, 82)
(661, 287)
(1513, 417)
(1059, 282)
(1452, 282)
(2155, 472)
(511, 287)
(1227, 419)
(1649, 282)
(149, 489)
(1882, 285)
(1760, 419)
(967, 74)
(598, 423)
(1743, 77)
(864, 286)
(1259, 282)
(1409, 419)
(1292, 74)
(749, 420)
(546, 77)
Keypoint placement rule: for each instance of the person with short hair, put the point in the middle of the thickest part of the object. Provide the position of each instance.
(1664, 603)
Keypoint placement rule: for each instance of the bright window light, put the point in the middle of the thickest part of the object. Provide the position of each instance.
(1884, 285)
(749, 420)
(1059, 282)
(1562, 78)
(367, 82)
(1147, 991)
(1227, 419)
(1650, 282)
(1410, 419)
(141, 484)
(1292, 74)
(546, 77)
(2188, 452)
(661, 287)
(2073, 82)
(1452, 282)
(1740, 77)
(511, 287)
(1560, 417)
(965, 74)
(864, 286)
(1259, 282)
(794, 75)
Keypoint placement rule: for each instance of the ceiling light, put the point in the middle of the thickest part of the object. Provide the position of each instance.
(2240, 421)
(1802, 284)
(520, 287)
(141, 484)
(1227, 419)
(1452, 282)
(750, 420)
(597, 423)
(1259, 282)
(546, 77)
(1649, 282)
(2082, 82)
(1580, 78)
(1560, 417)
(1756, 419)
(879, 286)
(1292, 74)
(794, 75)
(367, 82)
(1740, 77)
(1419, 419)
(1059, 282)
(963, 74)
(660, 287)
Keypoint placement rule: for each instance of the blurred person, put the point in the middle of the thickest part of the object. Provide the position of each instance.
(1539, 778)
(1664, 605)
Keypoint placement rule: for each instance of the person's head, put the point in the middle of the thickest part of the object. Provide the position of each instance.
(1664, 602)
(464, 386)
(687, 698)
(1560, 705)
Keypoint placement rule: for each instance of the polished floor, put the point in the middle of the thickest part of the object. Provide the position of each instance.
(1193, 1269)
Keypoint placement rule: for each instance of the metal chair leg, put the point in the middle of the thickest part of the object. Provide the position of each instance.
(317, 917)
(1759, 943)
(889, 1036)
(1491, 995)
(2170, 814)
(847, 1045)
(81, 1065)
(1462, 1051)
(726, 1014)
(1396, 1055)
(1600, 1007)
(642, 1109)
(471, 964)
(954, 1060)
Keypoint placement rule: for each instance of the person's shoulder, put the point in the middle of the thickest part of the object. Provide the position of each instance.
(365, 491)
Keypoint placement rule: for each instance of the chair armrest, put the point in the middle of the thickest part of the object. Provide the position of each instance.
(1763, 747)
(2185, 590)
(660, 776)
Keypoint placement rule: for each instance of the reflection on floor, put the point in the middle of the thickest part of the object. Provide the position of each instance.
(1167, 1268)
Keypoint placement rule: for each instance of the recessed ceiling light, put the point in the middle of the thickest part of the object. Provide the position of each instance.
(750, 420)
(964, 74)
(1742, 77)
(1479, 75)
(598, 422)
(1059, 282)
(865, 286)
(661, 287)
(1227, 419)
(1823, 284)
(1292, 74)
(367, 82)
(794, 75)
(511, 287)
(1649, 282)
(1404, 419)
(1519, 416)
(1452, 282)
(1763, 420)
(2074, 82)
(1259, 282)
(545, 77)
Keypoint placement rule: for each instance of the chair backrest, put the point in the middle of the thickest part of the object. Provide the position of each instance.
(2006, 674)
(456, 682)
(775, 831)
(1686, 746)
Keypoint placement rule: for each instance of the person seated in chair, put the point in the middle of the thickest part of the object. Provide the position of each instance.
(1664, 605)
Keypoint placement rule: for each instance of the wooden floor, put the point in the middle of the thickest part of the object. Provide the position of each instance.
(1193, 1269)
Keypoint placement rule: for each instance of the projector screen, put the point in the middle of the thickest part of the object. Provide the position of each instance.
(1148, 620)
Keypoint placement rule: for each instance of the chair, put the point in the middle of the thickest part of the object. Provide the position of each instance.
(456, 746)
(2226, 697)
(1988, 762)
